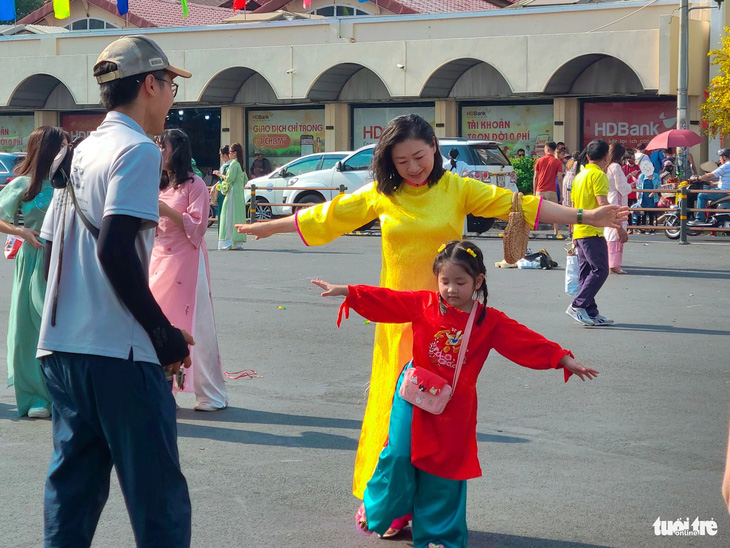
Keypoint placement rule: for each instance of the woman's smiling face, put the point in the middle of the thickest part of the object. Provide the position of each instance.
(413, 160)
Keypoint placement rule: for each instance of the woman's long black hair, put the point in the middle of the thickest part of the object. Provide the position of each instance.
(468, 256)
(407, 126)
(179, 168)
(44, 144)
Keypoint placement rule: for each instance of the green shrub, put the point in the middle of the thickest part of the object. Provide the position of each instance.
(524, 168)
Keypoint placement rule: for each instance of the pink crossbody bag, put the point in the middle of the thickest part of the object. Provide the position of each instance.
(429, 391)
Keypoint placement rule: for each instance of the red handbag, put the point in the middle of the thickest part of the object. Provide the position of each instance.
(12, 246)
(430, 391)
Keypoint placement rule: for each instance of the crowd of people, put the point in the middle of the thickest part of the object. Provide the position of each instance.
(123, 233)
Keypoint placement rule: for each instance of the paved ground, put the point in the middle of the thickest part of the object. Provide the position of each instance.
(582, 464)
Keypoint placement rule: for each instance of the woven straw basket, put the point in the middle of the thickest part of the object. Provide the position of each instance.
(517, 232)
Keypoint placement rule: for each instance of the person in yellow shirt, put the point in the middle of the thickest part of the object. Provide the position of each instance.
(420, 206)
(590, 190)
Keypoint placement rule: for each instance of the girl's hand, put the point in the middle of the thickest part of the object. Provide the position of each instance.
(609, 215)
(575, 367)
(331, 290)
(217, 173)
(31, 236)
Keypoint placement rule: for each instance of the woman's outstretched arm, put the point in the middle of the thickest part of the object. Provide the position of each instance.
(264, 229)
(609, 215)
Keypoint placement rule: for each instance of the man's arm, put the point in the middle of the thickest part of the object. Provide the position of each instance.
(117, 254)
(534, 179)
(602, 200)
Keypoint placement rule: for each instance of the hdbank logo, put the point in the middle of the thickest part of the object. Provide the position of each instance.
(683, 528)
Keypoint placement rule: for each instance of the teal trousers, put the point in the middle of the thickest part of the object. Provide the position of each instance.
(398, 488)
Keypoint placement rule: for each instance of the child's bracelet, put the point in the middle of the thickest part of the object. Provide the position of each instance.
(580, 217)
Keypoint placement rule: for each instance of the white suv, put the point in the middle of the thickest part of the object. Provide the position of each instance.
(485, 160)
(352, 171)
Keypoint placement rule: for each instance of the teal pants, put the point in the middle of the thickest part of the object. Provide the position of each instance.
(398, 488)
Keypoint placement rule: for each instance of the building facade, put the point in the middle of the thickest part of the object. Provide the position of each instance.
(516, 75)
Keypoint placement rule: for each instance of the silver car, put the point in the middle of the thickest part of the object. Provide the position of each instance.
(8, 161)
(281, 177)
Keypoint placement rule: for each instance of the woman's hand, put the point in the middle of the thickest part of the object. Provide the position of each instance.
(258, 230)
(623, 236)
(31, 236)
(164, 209)
(331, 290)
(217, 173)
(609, 215)
(575, 367)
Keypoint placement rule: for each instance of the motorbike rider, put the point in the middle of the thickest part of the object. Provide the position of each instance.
(723, 174)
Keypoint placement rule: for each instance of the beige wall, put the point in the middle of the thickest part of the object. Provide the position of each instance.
(423, 44)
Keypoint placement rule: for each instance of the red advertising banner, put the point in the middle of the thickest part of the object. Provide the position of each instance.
(80, 125)
(627, 122)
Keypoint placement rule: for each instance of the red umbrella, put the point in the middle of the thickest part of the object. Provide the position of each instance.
(684, 138)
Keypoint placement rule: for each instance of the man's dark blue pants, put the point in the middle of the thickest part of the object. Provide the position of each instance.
(592, 271)
(109, 411)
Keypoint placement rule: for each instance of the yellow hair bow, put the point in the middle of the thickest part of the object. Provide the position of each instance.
(471, 252)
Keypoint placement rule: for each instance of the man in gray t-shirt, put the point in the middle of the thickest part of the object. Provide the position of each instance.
(104, 342)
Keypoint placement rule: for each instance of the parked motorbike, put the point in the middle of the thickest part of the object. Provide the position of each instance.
(715, 219)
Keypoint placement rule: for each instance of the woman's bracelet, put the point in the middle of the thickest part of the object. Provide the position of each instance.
(580, 217)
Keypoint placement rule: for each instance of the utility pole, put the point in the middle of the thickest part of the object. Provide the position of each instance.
(682, 114)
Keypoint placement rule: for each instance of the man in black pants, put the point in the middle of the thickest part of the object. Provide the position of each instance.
(104, 342)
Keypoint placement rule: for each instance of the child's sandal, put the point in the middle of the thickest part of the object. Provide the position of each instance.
(361, 521)
(397, 526)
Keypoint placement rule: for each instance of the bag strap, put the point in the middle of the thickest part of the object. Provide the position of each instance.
(94, 231)
(462, 348)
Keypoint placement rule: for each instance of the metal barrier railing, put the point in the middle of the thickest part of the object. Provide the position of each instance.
(252, 207)
(682, 209)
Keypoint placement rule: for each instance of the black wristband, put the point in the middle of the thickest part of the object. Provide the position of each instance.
(169, 344)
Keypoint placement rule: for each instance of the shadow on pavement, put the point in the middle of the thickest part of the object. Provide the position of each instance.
(313, 440)
(679, 272)
(238, 414)
(295, 251)
(8, 412)
(480, 539)
(496, 438)
(664, 329)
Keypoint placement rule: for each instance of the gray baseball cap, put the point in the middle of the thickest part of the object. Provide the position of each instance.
(135, 54)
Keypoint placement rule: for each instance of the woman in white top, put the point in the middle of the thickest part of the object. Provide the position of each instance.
(457, 166)
(618, 193)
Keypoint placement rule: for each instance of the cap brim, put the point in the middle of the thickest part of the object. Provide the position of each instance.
(179, 72)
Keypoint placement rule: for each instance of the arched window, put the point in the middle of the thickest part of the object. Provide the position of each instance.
(90, 24)
(339, 11)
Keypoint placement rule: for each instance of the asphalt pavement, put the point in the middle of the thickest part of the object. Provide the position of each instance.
(565, 465)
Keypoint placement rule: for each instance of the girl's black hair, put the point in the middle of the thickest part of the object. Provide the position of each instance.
(407, 126)
(238, 149)
(224, 150)
(180, 165)
(617, 152)
(44, 143)
(469, 257)
(453, 155)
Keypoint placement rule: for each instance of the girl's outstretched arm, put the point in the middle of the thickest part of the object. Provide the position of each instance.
(575, 367)
(331, 290)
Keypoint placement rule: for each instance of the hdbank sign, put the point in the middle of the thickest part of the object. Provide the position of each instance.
(628, 123)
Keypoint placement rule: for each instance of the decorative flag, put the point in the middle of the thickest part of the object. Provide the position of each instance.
(185, 8)
(122, 7)
(306, 3)
(61, 9)
(7, 10)
(239, 5)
